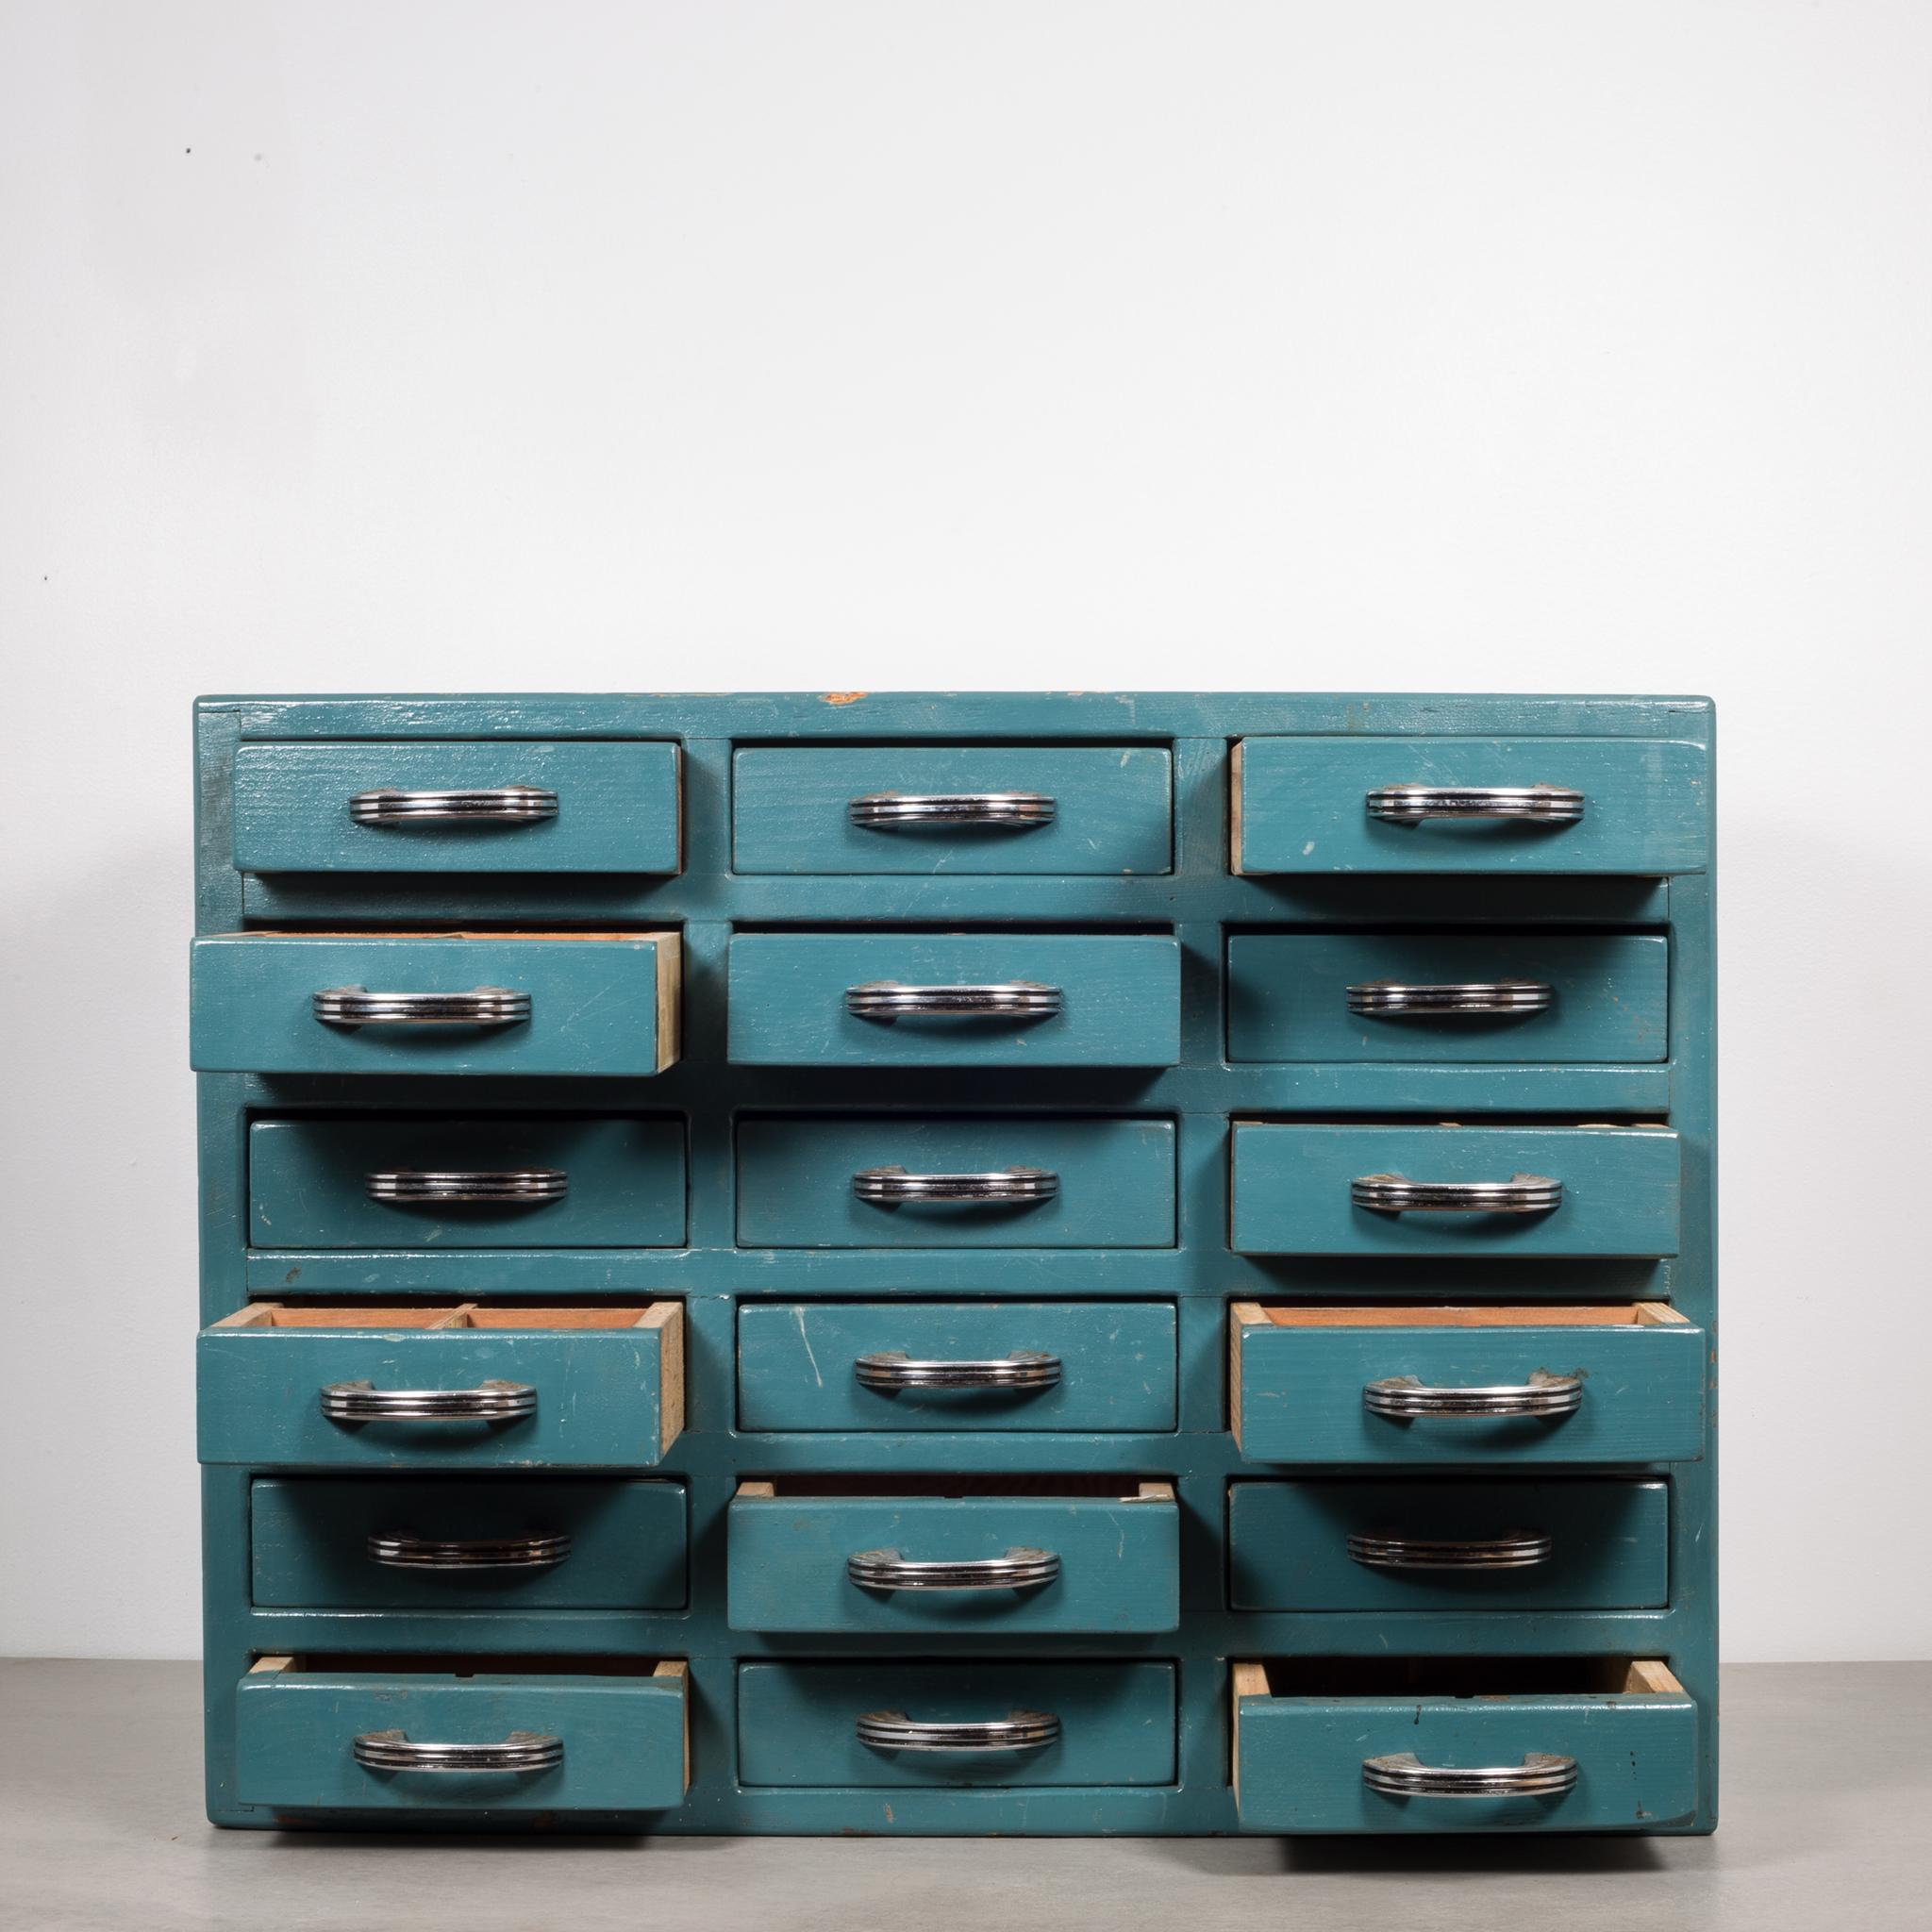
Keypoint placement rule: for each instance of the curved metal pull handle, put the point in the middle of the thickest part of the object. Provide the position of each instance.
(1538, 805)
(1516, 1549)
(884, 811)
(890, 1369)
(401, 1551)
(489, 1402)
(1407, 1398)
(1021, 1568)
(886, 1000)
(494, 804)
(520, 1751)
(466, 1187)
(1019, 1730)
(484, 1005)
(1388, 998)
(892, 1186)
(1403, 1775)
(1394, 1194)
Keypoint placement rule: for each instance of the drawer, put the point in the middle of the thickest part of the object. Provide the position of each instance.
(1526, 804)
(1020, 1554)
(477, 1003)
(515, 1180)
(1581, 1545)
(492, 805)
(988, 1181)
(1542, 1192)
(953, 809)
(916, 1000)
(1100, 1367)
(349, 1733)
(1620, 1383)
(1553, 997)
(394, 1544)
(371, 1385)
(1541, 1743)
(973, 1724)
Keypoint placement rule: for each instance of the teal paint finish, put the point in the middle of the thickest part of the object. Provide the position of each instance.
(1119, 1000)
(1291, 1190)
(1116, 1182)
(796, 1365)
(1288, 997)
(797, 1723)
(623, 1740)
(1120, 1559)
(1113, 809)
(617, 807)
(1287, 1545)
(309, 1541)
(593, 1004)
(1302, 806)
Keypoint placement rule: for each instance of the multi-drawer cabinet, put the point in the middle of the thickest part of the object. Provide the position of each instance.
(971, 1264)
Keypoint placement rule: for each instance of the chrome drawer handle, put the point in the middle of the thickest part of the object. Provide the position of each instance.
(495, 805)
(1019, 1730)
(1514, 1550)
(1385, 998)
(1540, 804)
(884, 810)
(886, 1000)
(464, 1188)
(489, 1402)
(1394, 1194)
(1020, 1569)
(891, 1369)
(1403, 1775)
(1405, 1398)
(890, 1187)
(401, 1551)
(486, 1006)
(520, 1751)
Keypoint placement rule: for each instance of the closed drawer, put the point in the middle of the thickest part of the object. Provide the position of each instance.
(1095, 1366)
(839, 1725)
(1017, 1556)
(1446, 1545)
(1620, 1383)
(394, 1544)
(1527, 805)
(521, 1181)
(1006, 1000)
(345, 1733)
(375, 1387)
(301, 1003)
(1373, 1743)
(956, 809)
(1330, 1190)
(497, 805)
(989, 1181)
(1555, 997)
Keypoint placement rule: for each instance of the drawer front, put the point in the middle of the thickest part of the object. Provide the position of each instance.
(797, 1724)
(843, 1366)
(1568, 998)
(623, 1740)
(357, 1183)
(466, 1546)
(598, 1005)
(603, 808)
(1301, 805)
(1119, 1563)
(1108, 1002)
(1295, 1190)
(1577, 1545)
(1115, 1182)
(1112, 809)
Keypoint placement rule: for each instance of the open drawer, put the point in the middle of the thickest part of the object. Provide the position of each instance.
(1381, 1743)
(349, 1733)
(1426, 1383)
(362, 1385)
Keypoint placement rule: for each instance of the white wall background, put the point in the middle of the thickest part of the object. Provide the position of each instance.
(451, 345)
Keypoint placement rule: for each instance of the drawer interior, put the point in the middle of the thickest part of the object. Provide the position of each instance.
(1114, 1488)
(389, 1315)
(1426, 1315)
(1484, 1677)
